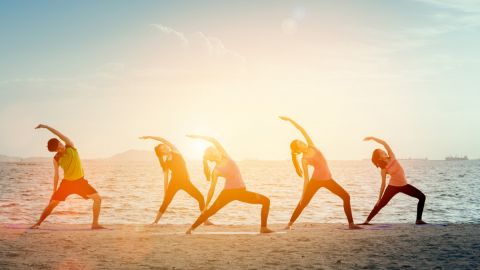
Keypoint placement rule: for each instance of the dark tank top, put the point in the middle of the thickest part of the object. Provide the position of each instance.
(178, 167)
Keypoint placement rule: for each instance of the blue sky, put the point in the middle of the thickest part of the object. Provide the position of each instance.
(106, 72)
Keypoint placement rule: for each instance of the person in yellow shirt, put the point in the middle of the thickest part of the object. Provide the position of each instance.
(73, 181)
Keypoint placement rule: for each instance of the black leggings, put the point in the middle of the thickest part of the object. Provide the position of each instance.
(313, 187)
(391, 191)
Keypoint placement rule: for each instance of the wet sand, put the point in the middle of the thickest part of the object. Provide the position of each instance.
(316, 246)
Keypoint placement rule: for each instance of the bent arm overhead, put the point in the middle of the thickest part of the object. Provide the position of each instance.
(160, 139)
(57, 133)
(382, 142)
(211, 140)
(300, 128)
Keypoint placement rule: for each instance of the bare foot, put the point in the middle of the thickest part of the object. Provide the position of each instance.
(366, 223)
(36, 226)
(288, 227)
(265, 230)
(97, 227)
(153, 224)
(354, 227)
(420, 222)
(208, 223)
(189, 231)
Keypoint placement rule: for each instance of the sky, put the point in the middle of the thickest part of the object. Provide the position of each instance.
(106, 72)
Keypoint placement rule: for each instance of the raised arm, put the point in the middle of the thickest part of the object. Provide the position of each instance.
(160, 139)
(211, 140)
(382, 142)
(57, 133)
(301, 129)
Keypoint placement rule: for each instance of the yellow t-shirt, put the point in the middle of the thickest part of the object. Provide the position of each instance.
(71, 164)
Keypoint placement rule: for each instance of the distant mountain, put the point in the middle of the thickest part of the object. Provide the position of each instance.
(133, 155)
(9, 159)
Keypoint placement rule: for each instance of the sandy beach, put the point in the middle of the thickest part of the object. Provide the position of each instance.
(318, 246)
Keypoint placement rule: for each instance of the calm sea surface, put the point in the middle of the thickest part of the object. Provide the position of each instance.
(132, 193)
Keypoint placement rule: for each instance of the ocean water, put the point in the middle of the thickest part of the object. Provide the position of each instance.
(132, 193)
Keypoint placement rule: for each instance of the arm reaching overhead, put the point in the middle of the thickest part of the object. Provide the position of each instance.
(160, 139)
(382, 142)
(301, 129)
(211, 140)
(57, 133)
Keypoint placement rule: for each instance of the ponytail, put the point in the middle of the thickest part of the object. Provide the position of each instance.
(206, 168)
(296, 165)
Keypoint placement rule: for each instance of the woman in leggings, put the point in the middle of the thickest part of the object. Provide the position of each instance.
(172, 161)
(398, 183)
(321, 176)
(234, 189)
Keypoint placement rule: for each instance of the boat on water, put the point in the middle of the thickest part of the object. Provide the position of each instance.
(455, 158)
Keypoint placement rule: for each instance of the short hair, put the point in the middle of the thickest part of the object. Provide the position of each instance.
(53, 144)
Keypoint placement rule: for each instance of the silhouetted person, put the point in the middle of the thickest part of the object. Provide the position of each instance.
(321, 176)
(234, 189)
(172, 162)
(398, 183)
(73, 181)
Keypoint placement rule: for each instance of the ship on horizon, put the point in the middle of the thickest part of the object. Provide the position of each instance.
(454, 158)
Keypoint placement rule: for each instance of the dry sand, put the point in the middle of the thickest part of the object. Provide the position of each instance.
(318, 246)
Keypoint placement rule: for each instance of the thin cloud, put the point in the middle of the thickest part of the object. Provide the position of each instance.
(170, 31)
(213, 45)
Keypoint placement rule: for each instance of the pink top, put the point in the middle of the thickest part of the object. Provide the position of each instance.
(321, 170)
(229, 170)
(397, 175)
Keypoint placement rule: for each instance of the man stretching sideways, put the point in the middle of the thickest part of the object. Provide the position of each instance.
(73, 182)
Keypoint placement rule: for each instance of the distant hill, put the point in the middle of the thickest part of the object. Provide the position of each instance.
(9, 159)
(133, 155)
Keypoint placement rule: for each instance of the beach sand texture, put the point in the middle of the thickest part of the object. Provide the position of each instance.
(315, 246)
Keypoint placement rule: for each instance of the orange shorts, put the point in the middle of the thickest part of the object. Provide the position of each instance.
(80, 187)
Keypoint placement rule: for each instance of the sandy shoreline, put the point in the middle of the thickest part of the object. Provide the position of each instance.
(319, 246)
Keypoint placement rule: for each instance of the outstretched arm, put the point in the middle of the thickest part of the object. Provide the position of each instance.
(305, 176)
(301, 129)
(211, 190)
(165, 182)
(211, 140)
(160, 139)
(57, 133)
(382, 187)
(382, 142)
(55, 175)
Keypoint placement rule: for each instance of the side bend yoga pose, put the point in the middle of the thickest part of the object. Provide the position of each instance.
(66, 157)
(398, 182)
(321, 176)
(234, 189)
(172, 161)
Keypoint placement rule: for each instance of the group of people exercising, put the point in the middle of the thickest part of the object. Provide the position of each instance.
(176, 178)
